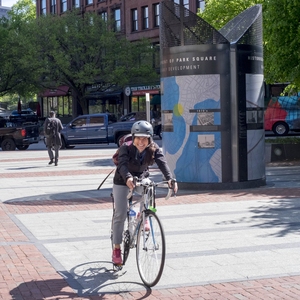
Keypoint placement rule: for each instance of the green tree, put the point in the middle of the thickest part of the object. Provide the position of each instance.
(78, 51)
(281, 19)
(14, 50)
(73, 50)
(282, 41)
(219, 12)
(22, 11)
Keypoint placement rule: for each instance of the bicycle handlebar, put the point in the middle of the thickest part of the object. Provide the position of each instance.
(139, 182)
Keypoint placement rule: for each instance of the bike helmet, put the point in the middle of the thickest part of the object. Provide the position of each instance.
(142, 128)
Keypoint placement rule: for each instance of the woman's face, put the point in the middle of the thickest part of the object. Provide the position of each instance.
(141, 143)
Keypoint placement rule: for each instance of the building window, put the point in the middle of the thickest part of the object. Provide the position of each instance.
(76, 3)
(134, 18)
(186, 4)
(62, 105)
(145, 12)
(53, 7)
(156, 14)
(117, 19)
(88, 2)
(138, 103)
(103, 16)
(43, 7)
(64, 5)
(200, 5)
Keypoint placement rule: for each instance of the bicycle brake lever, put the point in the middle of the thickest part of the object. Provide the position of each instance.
(135, 179)
(170, 190)
(129, 194)
(169, 194)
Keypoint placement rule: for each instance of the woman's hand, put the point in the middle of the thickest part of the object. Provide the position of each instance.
(130, 183)
(173, 185)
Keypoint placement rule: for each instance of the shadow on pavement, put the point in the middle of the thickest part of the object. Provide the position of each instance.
(282, 216)
(42, 289)
(87, 280)
(99, 278)
(68, 198)
(106, 162)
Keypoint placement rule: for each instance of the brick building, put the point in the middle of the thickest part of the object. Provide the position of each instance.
(135, 19)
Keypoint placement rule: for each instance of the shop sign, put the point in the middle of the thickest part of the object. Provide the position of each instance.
(143, 89)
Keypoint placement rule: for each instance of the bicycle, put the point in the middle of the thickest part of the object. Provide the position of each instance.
(149, 241)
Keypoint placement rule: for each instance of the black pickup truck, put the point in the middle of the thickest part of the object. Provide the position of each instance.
(14, 136)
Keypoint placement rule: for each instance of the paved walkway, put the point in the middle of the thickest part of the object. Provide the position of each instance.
(54, 234)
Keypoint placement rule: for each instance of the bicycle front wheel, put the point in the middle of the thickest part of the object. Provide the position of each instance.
(150, 250)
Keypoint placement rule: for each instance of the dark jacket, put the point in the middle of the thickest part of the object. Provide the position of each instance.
(56, 139)
(129, 163)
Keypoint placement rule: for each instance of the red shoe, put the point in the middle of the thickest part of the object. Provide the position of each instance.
(116, 257)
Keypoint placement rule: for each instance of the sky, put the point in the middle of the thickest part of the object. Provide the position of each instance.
(9, 3)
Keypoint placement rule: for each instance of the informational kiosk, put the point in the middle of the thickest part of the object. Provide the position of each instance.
(212, 99)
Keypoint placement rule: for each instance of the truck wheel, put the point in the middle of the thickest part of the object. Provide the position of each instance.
(280, 128)
(118, 140)
(8, 145)
(63, 144)
(120, 137)
(23, 147)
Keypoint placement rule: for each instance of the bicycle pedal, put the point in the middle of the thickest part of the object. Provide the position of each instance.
(118, 267)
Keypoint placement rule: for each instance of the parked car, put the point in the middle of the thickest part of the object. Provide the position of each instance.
(283, 114)
(24, 112)
(4, 113)
(27, 115)
(94, 129)
(20, 137)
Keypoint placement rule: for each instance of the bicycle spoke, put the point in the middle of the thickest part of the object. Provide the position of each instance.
(151, 251)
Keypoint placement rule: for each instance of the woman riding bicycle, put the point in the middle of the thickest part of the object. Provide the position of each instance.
(134, 160)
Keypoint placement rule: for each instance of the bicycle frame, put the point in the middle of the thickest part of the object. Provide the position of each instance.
(149, 241)
(148, 204)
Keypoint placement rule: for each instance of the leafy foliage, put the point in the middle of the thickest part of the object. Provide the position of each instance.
(77, 50)
(219, 12)
(281, 21)
(14, 50)
(73, 50)
(283, 140)
(22, 11)
(282, 41)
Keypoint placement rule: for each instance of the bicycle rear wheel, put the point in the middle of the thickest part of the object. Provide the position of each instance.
(151, 250)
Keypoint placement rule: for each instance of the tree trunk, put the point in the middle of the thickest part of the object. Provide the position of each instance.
(80, 102)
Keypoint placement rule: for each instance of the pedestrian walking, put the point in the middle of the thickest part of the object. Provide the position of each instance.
(52, 129)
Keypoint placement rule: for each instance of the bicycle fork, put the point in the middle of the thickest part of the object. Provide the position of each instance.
(149, 240)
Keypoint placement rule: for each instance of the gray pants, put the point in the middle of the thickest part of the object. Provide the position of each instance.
(56, 151)
(120, 193)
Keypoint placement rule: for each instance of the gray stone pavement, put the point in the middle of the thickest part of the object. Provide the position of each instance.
(212, 237)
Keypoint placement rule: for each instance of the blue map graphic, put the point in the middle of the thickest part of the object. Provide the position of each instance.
(193, 163)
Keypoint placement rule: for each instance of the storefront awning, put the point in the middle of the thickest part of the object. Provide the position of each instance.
(60, 91)
(155, 100)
